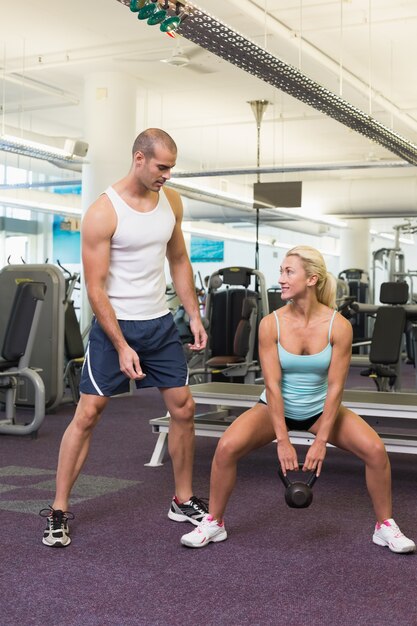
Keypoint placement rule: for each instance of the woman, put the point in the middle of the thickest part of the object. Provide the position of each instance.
(305, 350)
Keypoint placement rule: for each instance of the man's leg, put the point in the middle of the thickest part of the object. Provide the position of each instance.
(181, 438)
(75, 445)
(185, 507)
(72, 455)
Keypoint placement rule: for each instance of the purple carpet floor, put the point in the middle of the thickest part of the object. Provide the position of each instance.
(126, 567)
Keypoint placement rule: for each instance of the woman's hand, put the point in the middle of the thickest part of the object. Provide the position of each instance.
(315, 457)
(287, 456)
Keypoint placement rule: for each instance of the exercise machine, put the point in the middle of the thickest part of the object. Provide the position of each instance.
(391, 321)
(236, 301)
(358, 290)
(15, 372)
(48, 346)
(390, 262)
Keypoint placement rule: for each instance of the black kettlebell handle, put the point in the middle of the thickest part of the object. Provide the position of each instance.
(310, 482)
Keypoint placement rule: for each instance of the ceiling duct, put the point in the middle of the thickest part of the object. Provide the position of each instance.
(239, 219)
(215, 36)
(364, 197)
(338, 199)
(291, 169)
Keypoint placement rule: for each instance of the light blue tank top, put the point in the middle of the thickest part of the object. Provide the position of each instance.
(304, 379)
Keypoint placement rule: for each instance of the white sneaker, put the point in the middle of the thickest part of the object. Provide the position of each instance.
(208, 530)
(388, 534)
(56, 534)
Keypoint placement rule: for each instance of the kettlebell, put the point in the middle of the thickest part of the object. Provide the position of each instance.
(298, 495)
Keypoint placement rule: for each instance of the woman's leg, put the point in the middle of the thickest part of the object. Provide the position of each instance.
(352, 433)
(249, 431)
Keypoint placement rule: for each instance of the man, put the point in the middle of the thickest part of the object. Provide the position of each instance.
(126, 235)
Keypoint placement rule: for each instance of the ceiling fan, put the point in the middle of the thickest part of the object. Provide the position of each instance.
(177, 58)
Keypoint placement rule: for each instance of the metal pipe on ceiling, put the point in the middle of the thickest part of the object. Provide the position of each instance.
(272, 24)
(213, 35)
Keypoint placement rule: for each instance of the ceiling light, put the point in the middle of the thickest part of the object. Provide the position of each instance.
(43, 207)
(24, 144)
(38, 150)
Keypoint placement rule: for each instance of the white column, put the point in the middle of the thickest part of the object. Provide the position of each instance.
(355, 245)
(110, 130)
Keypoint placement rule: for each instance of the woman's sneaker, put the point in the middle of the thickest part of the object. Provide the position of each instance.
(56, 534)
(388, 534)
(191, 511)
(208, 530)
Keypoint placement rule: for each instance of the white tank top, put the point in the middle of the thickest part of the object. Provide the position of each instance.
(136, 281)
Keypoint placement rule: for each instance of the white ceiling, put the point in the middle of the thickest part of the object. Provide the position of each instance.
(363, 50)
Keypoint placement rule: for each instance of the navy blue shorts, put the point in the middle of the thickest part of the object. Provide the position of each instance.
(299, 424)
(158, 345)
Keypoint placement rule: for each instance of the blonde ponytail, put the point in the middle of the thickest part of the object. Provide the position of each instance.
(314, 265)
(326, 292)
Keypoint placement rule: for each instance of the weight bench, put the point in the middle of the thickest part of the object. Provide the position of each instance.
(392, 415)
(16, 353)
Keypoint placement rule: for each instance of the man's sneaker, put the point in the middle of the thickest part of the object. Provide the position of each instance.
(56, 534)
(388, 534)
(208, 530)
(191, 511)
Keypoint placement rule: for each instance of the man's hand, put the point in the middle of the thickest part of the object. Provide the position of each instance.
(200, 335)
(130, 364)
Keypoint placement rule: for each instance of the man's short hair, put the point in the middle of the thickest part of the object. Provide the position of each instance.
(146, 141)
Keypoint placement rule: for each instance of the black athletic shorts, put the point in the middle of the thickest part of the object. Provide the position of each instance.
(299, 424)
(160, 351)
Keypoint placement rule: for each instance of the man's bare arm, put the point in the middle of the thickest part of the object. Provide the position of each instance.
(97, 229)
(182, 273)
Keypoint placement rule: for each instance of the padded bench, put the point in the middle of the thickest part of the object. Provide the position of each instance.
(392, 415)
